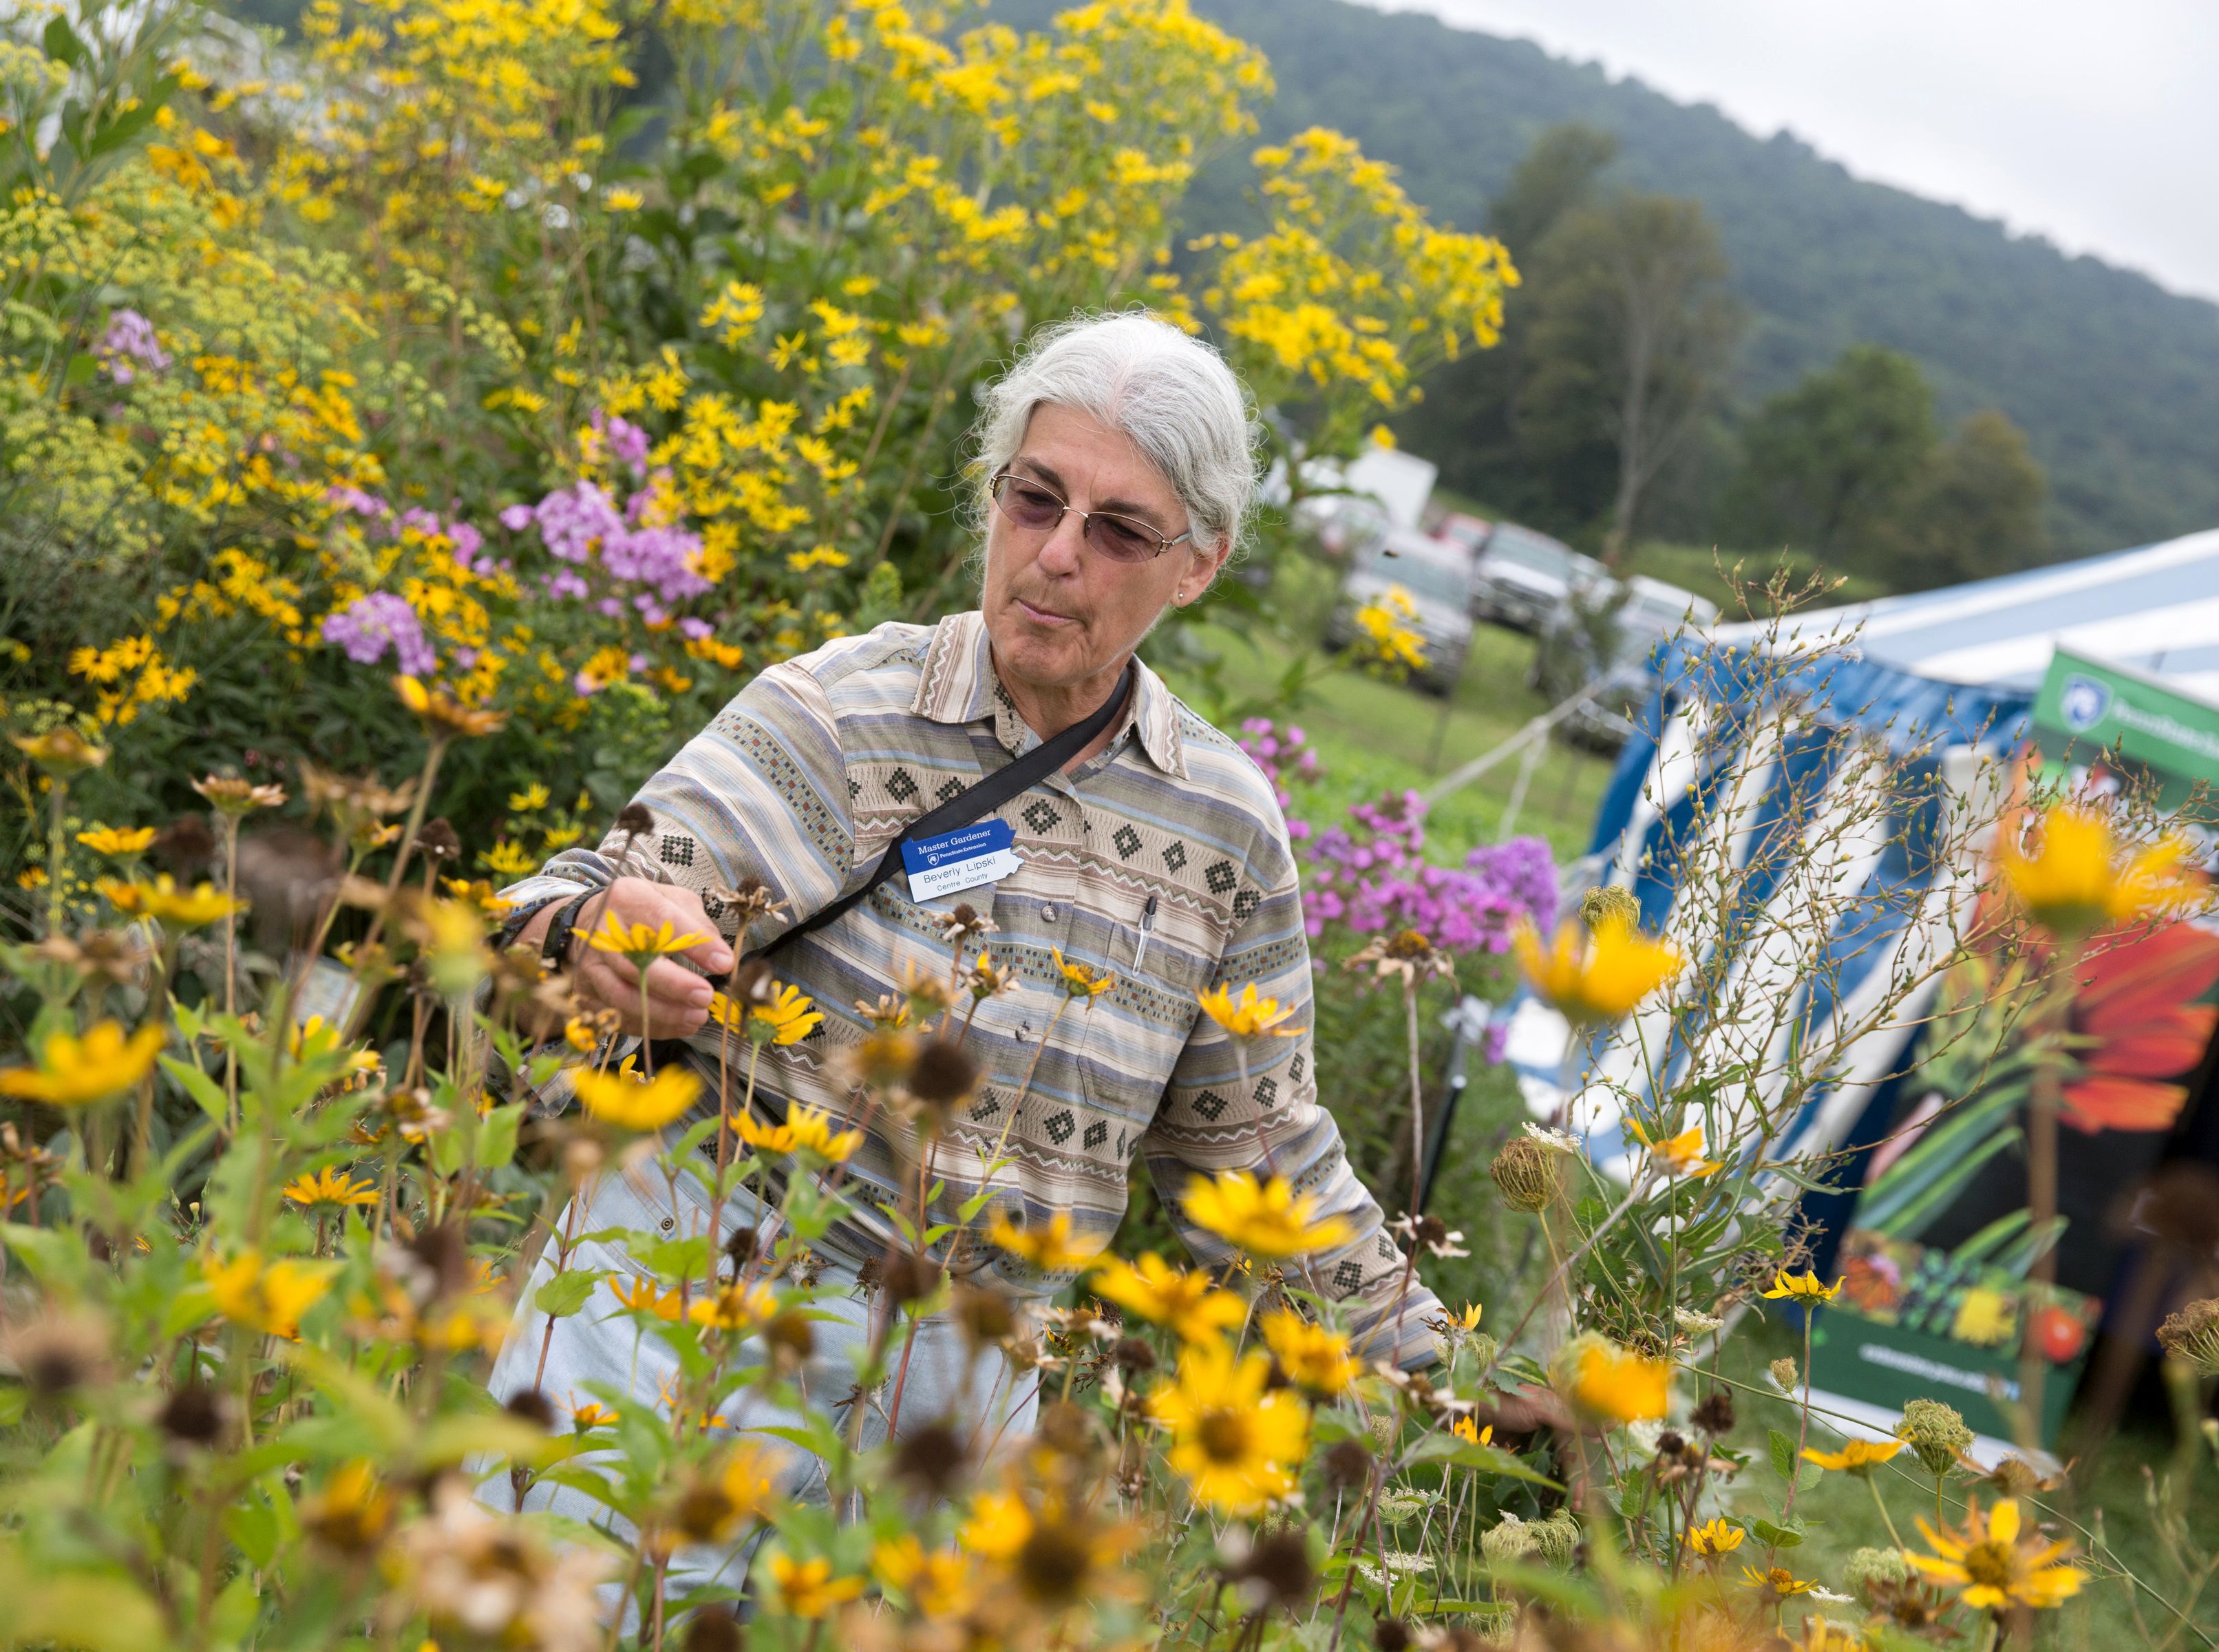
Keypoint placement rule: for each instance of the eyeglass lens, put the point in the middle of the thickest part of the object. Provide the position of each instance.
(1030, 506)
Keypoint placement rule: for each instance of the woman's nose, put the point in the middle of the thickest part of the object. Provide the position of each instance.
(1066, 548)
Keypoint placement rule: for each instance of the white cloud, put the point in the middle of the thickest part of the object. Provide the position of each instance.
(2096, 127)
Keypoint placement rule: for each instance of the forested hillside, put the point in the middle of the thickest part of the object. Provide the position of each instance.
(2115, 380)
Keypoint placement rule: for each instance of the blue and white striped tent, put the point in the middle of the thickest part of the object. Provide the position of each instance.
(1951, 675)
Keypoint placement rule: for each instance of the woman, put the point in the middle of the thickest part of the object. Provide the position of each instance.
(1115, 473)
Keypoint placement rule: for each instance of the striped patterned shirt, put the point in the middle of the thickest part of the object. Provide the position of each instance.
(808, 776)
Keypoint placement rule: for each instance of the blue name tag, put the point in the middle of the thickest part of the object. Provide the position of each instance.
(962, 859)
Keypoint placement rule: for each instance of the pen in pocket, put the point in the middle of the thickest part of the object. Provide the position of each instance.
(1147, 926)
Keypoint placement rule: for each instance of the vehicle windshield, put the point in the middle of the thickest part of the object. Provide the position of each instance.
(1423, 577)
(1514, 544)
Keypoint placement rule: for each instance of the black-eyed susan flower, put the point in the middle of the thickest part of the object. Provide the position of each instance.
(2081, 875)
(1264, 1219)
(228, 795)
(1857, 1457)
(329, 1186)
(1597, 980)
(1194, 1308)
(1081, 980)
(1313, 1358)
(592, 1415)
(1992, 1570)
(77, 1072)
(1680, 1155)
(163, 901)
(1469, 1430)
(1052, 1554)
(1805, 1287)
(1247, 1015)
(266, 1296)
(633, 1103)
(1714, 1537)
(118, 844)
(1047, 1245)
(941, 1583)
(1238, 1443)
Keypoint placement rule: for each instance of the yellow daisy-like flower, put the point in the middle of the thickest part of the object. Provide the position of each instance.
(1471, 1433)
(445, 716)
(806, 1129)
(939, 1583)
(1805, 1288)
(2081, 876)
(736, 1308)
(1991, 1568)
(640, 944)
(1597, 981)
(644, 1295)
(75, 1072)
(121, 842)
(1248, 1015)
(1015, 1534)
(807, 1588)
(1715, 1536)
(329, 1186)
(1611, 1382)
(631, 1104)
(1237, 1443)
(60, 751)
(1682, 1155)
(1777, 1580)
(788, 1018)
(1856, 1456)
(1316, 1359)
(591, 1415)
(1194, 1308)
(1047, 1246)
(181, 909)
(1468, 1321)
(1081, 980)
(269, 1297)
(1267, 1218)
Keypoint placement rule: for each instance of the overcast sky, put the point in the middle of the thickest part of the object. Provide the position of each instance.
(2096, 126)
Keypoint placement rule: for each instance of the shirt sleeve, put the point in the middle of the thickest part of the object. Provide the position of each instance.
(760, 793)
(1257, 1109)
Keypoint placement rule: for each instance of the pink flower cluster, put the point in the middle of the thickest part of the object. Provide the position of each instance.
(653, 567)
(129, 338)
(369, 624)
(1283, 755)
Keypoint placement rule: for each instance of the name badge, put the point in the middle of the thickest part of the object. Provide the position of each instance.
(962, 859)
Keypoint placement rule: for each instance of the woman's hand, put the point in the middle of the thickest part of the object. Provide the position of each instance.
(677, 998)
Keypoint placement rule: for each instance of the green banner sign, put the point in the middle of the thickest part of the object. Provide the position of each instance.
(2087, 709)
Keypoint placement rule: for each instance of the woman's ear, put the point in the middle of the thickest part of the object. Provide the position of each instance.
(1202, 573)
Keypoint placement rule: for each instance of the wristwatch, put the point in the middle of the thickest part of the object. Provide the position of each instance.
(555, 945)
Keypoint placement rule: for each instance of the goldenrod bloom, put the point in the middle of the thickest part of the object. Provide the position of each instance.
(1046, 1247)
(633, 1103)
(1805, 1289)
(1082, 980)
(640, 944)
(330, 1186)
(806, 1129)
(74, 1071)
(181, 909)
(807, 1588)
(1265, 1220)
(1238, 1444)
(1715, 1536)
(1194, 1308)
(1611, 1382)
(1600, 980)
(1856, 1457)
(1682, 1155)
(269, 1297)
(1994, 1571)
(1778, 1580)
(1314, 1359)
(2081, 877)
(1248, 1015)
(122, 842)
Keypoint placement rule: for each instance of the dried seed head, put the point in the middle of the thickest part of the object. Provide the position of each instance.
(635, 819)
(986, 1316)
(1279, 1569)
(1608, 903)
(752, 983)
(1525, 1171)
(185, 845)
(1132, 1355)
(1348, 1465)
(1066, 1429)
(436, 840)
(713, 1629)
(533, 1407)
(2191, 1336)
(908, 1277)
(790, 1338)
(934, 1459)
(1391, 1634)
(196, 1415)
(1936, 1432)
(1714, 1415)
(60, 1353)
(740, 1247)
(944, 1075)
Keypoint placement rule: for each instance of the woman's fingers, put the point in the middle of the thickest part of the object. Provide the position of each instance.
(677, 999)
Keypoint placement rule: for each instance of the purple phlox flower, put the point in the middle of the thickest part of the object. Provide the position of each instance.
(609, 608)
(692, 630)
(369, 624)
(564, 583)
(346, 497)
(573, 520)
(468, 541)
(517, 517)
(625, 441)
(423, 521)
(1491, 1042)
(129, 338)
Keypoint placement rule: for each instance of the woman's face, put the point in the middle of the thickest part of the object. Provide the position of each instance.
(1060, 613)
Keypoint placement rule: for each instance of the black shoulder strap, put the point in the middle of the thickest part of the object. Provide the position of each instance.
(1012, 779)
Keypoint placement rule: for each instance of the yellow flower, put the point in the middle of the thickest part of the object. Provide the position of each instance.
(1265, 1220)
(1682, 1155)
(644, 1295)
(806, 1129)
(532, 798)
(1248, 1015)
(61, 751)
(633, 1103)
(623, 200)
(1856, 1457)
(163, 900)
(578, 1032)
(2076, 882)
(787, 1019)
(736, 1308)
(939, 1583)
(1610, 1382)
(269, 1297)
(74, 1071)
(235, 797)
(1992, 1569)
(1468, 1321)
(1778, 1578)
(507, 857)
(1806, 1288)
(807, 1588)
(640, 944)
(1715, 1536)
(330, 1186)
(443, 715)
(122, 842)
(1314, 1358)
(593, 1414)
(1081, 981)
(1599, 981)
(353, 1511)
(1195, 1309)
(1047, 1246)
(1237, 1444)
(1471, 1433)
(1005, 1529)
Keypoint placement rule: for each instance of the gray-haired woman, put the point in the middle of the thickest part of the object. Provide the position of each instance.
(1116, 472)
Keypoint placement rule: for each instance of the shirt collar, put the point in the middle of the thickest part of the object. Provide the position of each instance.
(958, 684)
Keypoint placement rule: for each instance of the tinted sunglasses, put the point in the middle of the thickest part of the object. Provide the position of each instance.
(1035, 507)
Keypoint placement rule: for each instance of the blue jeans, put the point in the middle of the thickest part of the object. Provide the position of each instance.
(600, 1345)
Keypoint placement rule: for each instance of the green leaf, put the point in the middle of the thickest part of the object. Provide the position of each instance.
(198, 1085)
(62, 44)
(1780, 1536)
(252, 1524)
(1783, 1457)
(497, 1136)
(82, 369)
(113, 134)
(566, 1293)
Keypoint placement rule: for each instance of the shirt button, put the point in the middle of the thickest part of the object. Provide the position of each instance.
(1047, 915)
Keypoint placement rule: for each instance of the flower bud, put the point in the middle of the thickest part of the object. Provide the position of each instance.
(1936, 1433)
(1606, 905)
(1784, 1373)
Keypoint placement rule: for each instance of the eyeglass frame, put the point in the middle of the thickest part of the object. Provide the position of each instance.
(1085, 518)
